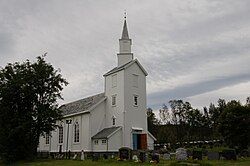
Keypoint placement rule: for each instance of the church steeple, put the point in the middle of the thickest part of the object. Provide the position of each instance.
(124, 55)
(125, 30)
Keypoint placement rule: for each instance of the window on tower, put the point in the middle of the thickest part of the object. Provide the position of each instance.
(135, 100)
(113, 102)
(113, 121)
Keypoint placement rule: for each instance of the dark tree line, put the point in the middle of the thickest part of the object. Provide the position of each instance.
(182, 123)
(28, 106)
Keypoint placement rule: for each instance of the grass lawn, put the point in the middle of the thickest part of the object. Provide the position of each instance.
(239, 162)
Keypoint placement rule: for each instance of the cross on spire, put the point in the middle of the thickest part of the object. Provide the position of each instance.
(125, 14)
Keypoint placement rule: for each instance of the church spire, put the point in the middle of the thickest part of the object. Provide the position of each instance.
(125, 55)
(125, 30)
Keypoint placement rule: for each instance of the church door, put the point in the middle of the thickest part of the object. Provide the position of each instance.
(135, 142)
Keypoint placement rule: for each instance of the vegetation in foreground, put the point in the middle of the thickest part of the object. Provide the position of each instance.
(47, 162)
(28, 106)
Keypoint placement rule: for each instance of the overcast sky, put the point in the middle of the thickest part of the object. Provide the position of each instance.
(195, 50)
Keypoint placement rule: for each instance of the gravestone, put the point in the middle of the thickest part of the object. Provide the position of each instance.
(125, 153)
(229, 154)
(156, 157)
(181, 154)
(95, 157)
(197, 154)
(82, 155)
(142, 156)
(135, 158)
(166, 156)
(213, 155)
(105, 156)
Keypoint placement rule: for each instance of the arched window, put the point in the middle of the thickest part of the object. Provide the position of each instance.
(47, 138)
(76, 132)
(60, 135)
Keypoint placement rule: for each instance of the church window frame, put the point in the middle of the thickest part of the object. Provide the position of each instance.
(60, 134)
(104, 141)
(76, 132)
(96, 142)
(135, 100)
(47, 138)
(113, 100)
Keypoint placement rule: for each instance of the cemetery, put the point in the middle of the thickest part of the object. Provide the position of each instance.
(127, 156)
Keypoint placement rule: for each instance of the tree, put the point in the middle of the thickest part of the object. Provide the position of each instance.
(29, 109)
(179, 118)
(234, 124)
(164, 114)
(152, 121)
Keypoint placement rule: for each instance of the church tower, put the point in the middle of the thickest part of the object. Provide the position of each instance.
(124, 55)
(125, 89)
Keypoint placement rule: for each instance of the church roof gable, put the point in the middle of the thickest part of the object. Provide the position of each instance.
(116, 69)
(81, 105)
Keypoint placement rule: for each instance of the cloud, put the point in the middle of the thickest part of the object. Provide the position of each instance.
(189, 48)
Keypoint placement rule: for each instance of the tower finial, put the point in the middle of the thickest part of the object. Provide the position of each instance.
(125, 29)
(125, 14)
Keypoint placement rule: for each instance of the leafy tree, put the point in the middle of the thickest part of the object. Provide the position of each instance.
(28, 106)
(152, 121)
(234, 124)
(164, 114)
(179, 110)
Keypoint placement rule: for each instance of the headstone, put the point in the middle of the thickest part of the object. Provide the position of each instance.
(142, 156)
(181, 154)
(125, 153)
(166, 156)
(75, 156)
(135, 158)
(229, 154)
(213, 155)
(197, 155)
(95, 157)
(105, 156)
(155, 157)
(82, 155)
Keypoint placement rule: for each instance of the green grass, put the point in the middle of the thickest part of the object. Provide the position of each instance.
(239, 162)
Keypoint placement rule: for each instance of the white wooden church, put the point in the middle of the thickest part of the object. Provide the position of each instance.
(107, 121)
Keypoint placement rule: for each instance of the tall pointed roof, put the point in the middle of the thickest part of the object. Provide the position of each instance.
(125, 30)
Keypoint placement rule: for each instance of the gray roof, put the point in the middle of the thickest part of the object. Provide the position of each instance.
(81, 105)
(116, 69)
(105, 132)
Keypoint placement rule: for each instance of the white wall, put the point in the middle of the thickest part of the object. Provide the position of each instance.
(100, 147)
(117, 110)
(97, 118)
(84, 142)
(150, 142)
(115, 141)
(135, 116)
